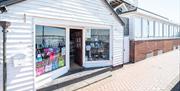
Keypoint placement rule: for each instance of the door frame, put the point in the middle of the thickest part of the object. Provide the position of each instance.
(82, 46)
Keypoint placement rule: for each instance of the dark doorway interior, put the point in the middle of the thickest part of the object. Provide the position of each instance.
(76, 49)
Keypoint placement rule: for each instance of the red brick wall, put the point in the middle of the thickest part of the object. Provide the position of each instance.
(139, 49)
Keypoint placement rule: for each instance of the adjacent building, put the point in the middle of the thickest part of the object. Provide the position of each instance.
(47, 37)
(149, 34)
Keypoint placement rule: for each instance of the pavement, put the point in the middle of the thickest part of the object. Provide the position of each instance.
(158, 73)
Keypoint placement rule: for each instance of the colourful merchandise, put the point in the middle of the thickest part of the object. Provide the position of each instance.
(39, 58)
(63, 51)
(61, 61)
(54, 65)
(48, 68)
(40, 71)
(40, 64)
(52, 56)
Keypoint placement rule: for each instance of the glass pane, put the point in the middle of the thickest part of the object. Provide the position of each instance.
(151, 29)
(145, 28)
(165, 30)
(178, 31)
(160, 30)
(97, 44)
(157, 29)
(50, 49)
(175, 31)
(137, 27)
(39, 33)
(171, 31)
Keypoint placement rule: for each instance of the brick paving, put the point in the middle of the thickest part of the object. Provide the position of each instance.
(153, 74)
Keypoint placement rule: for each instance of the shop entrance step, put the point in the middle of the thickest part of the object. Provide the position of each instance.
(75, 81)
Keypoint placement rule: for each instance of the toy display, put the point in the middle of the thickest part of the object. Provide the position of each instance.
(97, 45)
(50, 53)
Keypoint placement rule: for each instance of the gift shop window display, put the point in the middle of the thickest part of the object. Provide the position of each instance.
(50, 49)
(97, 44)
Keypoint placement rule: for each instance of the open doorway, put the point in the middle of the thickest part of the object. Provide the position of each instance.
(76, 48)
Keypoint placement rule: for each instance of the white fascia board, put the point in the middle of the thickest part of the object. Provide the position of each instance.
(147, 16)
(150, 14)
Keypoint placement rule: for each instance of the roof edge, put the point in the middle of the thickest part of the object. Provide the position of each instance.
(10, 2)
(116, 15)
(153, 13)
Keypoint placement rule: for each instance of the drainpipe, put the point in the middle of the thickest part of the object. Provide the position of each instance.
(4, 25)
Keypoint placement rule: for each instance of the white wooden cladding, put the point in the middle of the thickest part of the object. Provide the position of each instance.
(21, 35)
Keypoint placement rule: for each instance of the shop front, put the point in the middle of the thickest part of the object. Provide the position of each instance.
(62, 49)
(54, 40)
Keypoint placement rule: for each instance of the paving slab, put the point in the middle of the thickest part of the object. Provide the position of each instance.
(158, 73)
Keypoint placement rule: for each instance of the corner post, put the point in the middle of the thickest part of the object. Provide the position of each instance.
(4, 25)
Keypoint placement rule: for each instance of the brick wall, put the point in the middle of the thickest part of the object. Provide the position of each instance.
(139, 49)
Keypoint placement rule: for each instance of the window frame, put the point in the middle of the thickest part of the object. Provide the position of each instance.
(156, 29)
(145, 28)
(139, 27)
(151, 28)
(65, 56)
(99, 29)
(160, 29)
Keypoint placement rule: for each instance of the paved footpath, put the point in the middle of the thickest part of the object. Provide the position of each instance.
(159, 73)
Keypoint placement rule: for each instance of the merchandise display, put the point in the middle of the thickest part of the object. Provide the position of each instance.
(97, 44)
(50, 49)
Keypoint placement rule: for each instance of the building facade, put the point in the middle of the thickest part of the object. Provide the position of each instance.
(150, 34)
(47, 36)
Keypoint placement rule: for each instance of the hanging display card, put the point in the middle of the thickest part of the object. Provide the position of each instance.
(63, 51)
(88, 33)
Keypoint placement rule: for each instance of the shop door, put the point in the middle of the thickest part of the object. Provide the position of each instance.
(76, 46)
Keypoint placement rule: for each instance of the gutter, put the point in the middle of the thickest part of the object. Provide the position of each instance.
(144, 10)
(140, 9)
(10, 2)
(152, 13)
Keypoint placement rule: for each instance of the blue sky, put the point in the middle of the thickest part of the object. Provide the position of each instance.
(167, 8)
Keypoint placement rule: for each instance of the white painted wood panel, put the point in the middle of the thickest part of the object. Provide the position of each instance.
(117, 46)
(82, 13)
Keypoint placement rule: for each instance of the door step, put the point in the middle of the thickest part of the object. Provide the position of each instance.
(75, 81)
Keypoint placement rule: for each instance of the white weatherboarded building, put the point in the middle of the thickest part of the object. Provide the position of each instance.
(40, 34)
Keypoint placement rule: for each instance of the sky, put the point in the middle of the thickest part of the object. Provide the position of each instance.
(167, 8)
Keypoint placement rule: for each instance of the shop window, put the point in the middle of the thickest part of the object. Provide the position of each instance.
(138, 29)
(165, 30)
(126, 27)
(50, 49)
(171, 31)
(175, 31)
(145, 28)
(157, 29)
(97, 44)
(151, 28)
(178, 32)
(160, 30)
